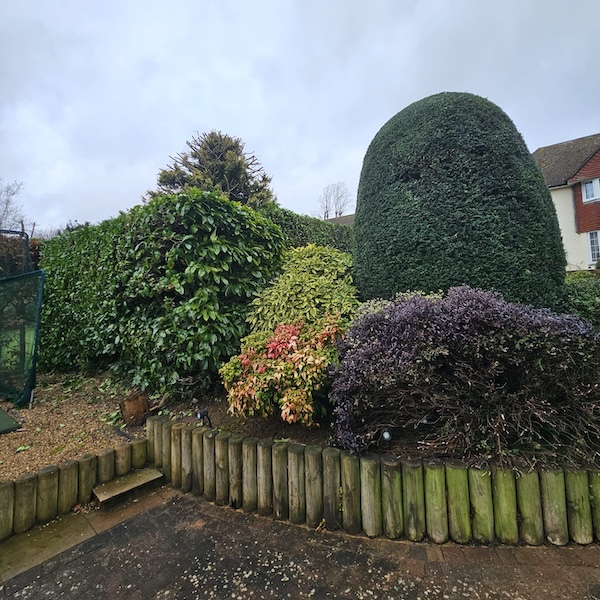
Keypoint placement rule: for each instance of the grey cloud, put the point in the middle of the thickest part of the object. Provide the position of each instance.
(95, 97)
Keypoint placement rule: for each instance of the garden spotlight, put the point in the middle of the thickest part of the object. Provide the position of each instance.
(384, 438)
(202, 415)
(386, 435)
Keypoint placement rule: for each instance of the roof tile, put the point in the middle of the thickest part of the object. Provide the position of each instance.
(559, 162)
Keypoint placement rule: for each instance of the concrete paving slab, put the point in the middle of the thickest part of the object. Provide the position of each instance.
(103, 519)
(186, 548)
(21, 553)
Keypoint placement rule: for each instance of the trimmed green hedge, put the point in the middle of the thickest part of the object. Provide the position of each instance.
(583, 292)
(449, 195)
(160, 293)
(301, 230)
(79, 312)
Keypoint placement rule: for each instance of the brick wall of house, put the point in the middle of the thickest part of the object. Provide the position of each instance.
(588, 213)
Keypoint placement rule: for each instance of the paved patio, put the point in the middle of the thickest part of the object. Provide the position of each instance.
(169, 545)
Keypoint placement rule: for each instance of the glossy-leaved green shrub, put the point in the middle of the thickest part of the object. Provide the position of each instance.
(301, 230)
(315, 281)
(449, 195)
(189, 266)
(183, 271)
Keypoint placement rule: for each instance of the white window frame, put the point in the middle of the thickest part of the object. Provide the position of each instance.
(594, 246)
(595, 188)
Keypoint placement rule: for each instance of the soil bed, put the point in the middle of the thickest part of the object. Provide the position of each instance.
(73, 415)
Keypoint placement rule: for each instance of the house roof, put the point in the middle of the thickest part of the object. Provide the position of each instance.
(343, 220)
(559, 162)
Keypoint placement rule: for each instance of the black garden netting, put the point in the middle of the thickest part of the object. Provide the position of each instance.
(21, 292)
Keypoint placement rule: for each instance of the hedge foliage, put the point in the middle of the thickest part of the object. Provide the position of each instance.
(301, 230)
(79, 312)
(315, 281)
(161, 293)
(497, 378)
(449, 195)
(583, 294)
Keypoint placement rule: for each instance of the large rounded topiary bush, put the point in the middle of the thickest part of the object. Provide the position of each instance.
(450, 195)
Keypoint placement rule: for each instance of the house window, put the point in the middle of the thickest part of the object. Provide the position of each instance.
(591, 190)
(594, 246)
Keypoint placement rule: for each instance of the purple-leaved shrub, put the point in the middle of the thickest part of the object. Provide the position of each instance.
(497, 378)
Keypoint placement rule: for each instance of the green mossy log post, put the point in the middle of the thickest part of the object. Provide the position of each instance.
(280, 481)
(235, 471)
(505, 506)
(7, 507)
(158, 437)
(210, 470)
(198, 461)
(332, 482)
(370, 495)
(351, 512)
(139, 453)
(166, 449)
(47, 494)
(413, 493)
(150, 427)
(529, 501)
(554, 506)
(222, 468)
(436, 506)
(296, 483)
(482, 505)
(187, 458)
(459, 509)
(264, 476)
(87, 477)
(68, 475)
(391, 498)
(249, 475)
(122, 459)
(25, 509)
(594, 480)
(106, 465)
(176, 454)
(579, 511)
(313, 485)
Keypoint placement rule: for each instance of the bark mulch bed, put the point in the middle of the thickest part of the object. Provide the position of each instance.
(73, 415)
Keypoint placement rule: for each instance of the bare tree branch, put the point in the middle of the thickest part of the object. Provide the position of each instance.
(11, 213)
(334, 200)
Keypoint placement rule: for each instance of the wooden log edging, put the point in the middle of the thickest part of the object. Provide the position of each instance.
(327, 488)
(382, 496)
(38, 498)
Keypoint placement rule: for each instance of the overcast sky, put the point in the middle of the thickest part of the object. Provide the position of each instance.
(95, 96)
